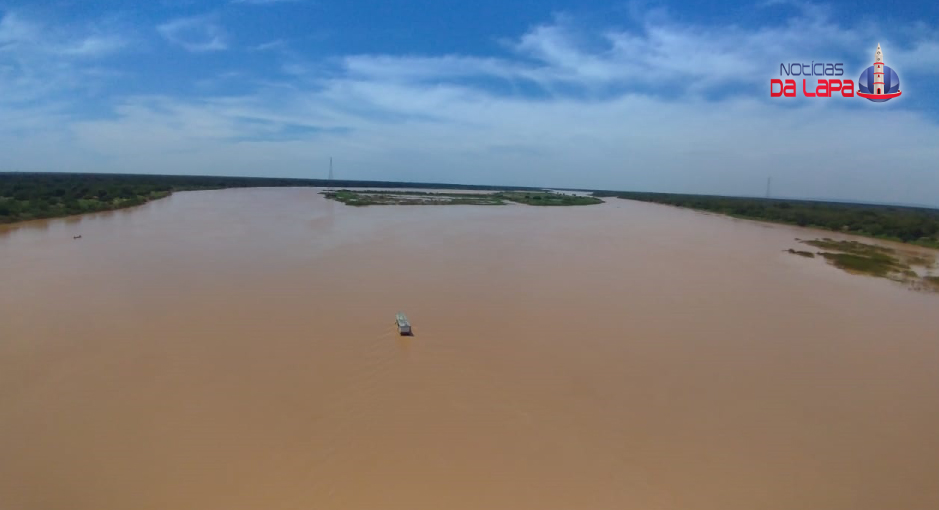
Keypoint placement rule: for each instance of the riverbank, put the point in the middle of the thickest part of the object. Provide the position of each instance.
(33, 196)
(911, 225)
(18, 211)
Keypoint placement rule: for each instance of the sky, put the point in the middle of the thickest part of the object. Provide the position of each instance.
(669, 97)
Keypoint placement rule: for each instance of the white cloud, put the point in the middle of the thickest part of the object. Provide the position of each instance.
(39, 63)
(95, 46)
(14, 31)
(632, 142)
(196, 34)
(21, 37)
(270, 45)
(561, 56)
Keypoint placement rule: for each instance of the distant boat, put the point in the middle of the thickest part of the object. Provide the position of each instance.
(404, 327)
(77, 237)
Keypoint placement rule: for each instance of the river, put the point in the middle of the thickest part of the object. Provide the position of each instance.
(236, 349)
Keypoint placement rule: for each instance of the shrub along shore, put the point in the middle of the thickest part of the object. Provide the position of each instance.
(913, 225)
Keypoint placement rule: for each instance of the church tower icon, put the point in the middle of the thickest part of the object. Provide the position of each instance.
(878, 70)
(879, 83)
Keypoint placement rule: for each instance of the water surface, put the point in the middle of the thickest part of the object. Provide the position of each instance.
(236, 350)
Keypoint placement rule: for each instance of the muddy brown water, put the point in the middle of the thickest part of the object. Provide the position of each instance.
(236, 350)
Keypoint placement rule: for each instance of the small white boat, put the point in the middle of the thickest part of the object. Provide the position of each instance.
(404, 327)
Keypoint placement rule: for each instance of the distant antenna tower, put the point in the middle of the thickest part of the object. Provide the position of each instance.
(769, 183)
(330, 168)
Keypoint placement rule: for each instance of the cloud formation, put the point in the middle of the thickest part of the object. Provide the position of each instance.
(661, 106)
(196, 34)
(40, 64)
(20, 38)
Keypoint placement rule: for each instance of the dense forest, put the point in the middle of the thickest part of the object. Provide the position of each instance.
(907, 224)
(27, 196)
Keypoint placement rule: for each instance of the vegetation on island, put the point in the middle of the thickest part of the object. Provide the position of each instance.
(806, 254)
(29, 196)
(876, 260)
(361, 198)
(382, 197)
(548, 198)
(914, 225)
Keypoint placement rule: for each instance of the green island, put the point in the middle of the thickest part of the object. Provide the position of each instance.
(875, 260)
(361, 198)
(30, 196)
(913, 225)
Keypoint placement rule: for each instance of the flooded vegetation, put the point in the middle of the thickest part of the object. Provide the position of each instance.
(806, 254)
(238, 349)
(903, 266)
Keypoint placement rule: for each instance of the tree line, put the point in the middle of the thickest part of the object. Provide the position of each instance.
(917, 225)
(27, 196)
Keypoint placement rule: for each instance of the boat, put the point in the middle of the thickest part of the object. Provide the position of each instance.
(404, 327)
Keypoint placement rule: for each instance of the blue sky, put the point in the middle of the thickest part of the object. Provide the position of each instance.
(588, 94)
